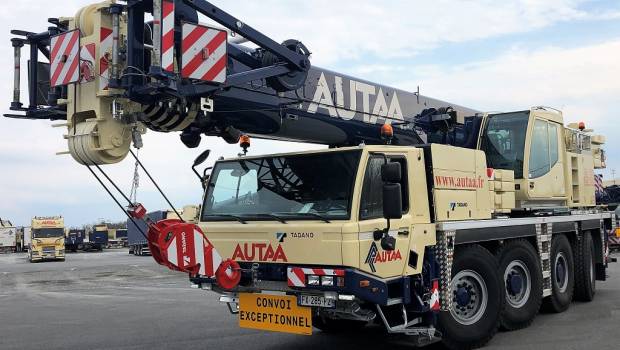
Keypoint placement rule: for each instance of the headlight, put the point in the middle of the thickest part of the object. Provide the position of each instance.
(313, 280)
(327, 281)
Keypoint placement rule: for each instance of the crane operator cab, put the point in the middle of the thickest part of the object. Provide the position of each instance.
(552, 163)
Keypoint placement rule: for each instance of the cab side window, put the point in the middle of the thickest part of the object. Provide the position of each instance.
(371, 204)
(544, 150)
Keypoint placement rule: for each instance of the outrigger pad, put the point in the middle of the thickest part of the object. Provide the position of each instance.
(183, 247)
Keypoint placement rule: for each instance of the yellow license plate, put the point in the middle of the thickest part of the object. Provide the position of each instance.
(279, 313)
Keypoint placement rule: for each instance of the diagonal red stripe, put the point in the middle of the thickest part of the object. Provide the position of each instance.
(57, 45)
(74, 36)
(218, 40)
(105, 32)
(192, 65)
(300, 275)
(71, 71)
(168, 6)
(167, 41)
(192, 38)
(216, 69)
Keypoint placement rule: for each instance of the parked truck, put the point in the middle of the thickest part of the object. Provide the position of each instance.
(27, 237)
(437, 221)
(8, 237)
(74, 240)
(47, 239)
(97, 238)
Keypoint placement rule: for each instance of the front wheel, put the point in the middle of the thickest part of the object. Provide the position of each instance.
(477, 299)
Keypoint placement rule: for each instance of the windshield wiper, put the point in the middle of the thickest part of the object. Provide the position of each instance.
(238, 218)
(274, 216)
(315, 215)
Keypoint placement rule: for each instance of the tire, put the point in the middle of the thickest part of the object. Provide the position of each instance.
(474, 269)
(562, 275)
(585, 275)
(329, 325)
(519, 268)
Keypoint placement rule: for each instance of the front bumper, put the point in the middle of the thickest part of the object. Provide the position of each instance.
(357, 286)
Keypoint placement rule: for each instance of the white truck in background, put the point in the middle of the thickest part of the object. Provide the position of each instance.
(8, 236)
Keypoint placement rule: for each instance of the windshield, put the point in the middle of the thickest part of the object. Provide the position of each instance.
(313, 186)
(503, 141)
(47, 232)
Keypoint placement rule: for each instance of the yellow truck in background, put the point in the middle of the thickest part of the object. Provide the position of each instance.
(47, 239)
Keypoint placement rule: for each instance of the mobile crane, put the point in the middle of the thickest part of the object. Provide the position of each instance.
(434, 220)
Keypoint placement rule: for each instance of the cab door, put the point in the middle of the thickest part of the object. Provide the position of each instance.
(373, 258)
(545, 165)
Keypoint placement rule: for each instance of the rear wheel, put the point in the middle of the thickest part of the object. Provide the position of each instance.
(585, 276)
(522, 277)
(478, 299)
(562, 275)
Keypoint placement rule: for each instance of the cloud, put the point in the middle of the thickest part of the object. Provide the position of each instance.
(339, 30)
(580, 81)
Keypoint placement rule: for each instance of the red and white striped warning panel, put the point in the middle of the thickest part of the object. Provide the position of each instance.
(65, 48)
(296, 276)
(87, 63)
(204, 53)
(105, 57)
(435, 304)
(190, 249)
(167, 36)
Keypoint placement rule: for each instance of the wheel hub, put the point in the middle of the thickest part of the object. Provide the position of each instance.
(470, 297)
(561, 272)
(518, 283)
(515, 284)
(462, 296)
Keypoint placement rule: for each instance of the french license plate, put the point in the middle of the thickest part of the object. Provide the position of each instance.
(279, 313)
(314, 300)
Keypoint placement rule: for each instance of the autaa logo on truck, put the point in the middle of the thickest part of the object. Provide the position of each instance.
(381, 108)
(259, 252)
(375, 256)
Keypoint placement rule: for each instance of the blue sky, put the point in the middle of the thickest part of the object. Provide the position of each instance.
(488, 55)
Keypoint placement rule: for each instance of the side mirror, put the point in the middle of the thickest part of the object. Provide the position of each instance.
(390, 172)
(199, 160)
(392, 201)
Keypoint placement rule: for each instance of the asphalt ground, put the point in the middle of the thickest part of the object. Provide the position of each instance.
(112, 300)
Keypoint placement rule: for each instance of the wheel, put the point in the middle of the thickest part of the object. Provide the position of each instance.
(585, 277)
(522, 276)
(478, 299)
(330, 325)
(562, 275)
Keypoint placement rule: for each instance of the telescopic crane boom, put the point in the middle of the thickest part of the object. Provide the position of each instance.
(111, 73)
